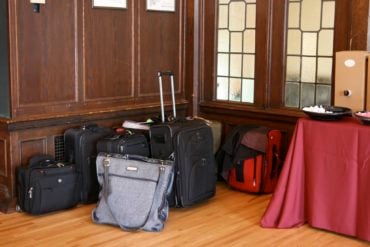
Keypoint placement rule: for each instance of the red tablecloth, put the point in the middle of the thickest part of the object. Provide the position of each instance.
(325, 180)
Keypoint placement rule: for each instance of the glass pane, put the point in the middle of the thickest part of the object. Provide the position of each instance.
(248, 91)
(236, 42)
(237, 16)
(222, 88)
(293, 68)
(324, 70)
(235, 89)
(236, 50)
(251, 16)
(292, 94)
(223, 41)
(311, 15)
(309, 44)
(323, 95)
(307, 94)
(294, 42)
(328, 14)
(236, 65)
(308, 69)
(248, 66)
(326, 38)
(223, 17)
(310, 36)
(293, 19)
(223, 64)
(249, 41)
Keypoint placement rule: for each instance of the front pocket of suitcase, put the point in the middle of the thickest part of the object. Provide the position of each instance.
(201, 180)
(57, 192)
(130, 200)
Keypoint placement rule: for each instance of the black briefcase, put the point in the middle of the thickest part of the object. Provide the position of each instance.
(46, 185)
(127, 143)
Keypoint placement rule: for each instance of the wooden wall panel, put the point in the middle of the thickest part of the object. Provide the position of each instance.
(4, 65)
(3, 161)
(108, 52)
(160, 47)
(46, 65)
(29, 148)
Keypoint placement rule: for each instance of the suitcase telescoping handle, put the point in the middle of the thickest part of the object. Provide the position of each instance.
(160, 76)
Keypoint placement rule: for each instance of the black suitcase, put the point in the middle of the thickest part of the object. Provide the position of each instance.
(80, 148)
(127, 143)
(46, 185)
(190, 144)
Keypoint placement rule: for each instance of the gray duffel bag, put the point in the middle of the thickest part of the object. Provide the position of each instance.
(134, 191)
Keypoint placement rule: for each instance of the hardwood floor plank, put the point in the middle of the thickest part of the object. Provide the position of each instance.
(230, 219)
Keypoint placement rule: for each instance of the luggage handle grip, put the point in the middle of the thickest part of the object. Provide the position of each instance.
(171, 75)
(163, 73)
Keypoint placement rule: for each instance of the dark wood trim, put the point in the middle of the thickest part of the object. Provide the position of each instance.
(134, 113)
(207, 19)
(262, 59)
(359, 24)
(191, 93)
(225, 110)
(277, 51)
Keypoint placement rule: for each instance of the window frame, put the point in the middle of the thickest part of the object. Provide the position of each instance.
(351, 23)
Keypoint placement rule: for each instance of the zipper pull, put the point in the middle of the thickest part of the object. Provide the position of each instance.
(106, 162)
(30, 192)
(161, 166)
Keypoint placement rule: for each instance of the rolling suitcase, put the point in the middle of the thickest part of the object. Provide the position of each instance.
(190, 144)
(258, 173)
(46, 185)
(127, 143)
(80, 149)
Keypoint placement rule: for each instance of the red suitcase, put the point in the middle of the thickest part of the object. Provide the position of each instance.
(258, 174)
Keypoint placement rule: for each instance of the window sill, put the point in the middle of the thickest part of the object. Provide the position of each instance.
(246, 111)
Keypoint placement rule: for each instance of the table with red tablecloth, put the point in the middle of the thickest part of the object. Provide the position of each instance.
(325, 181)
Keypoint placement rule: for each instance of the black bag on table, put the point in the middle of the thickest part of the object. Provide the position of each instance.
(80, 149)
(46, 185)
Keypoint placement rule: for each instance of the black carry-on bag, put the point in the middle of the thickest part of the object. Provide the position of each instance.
(46, 185)
(190, 144)
(80, 148)
(127, 143)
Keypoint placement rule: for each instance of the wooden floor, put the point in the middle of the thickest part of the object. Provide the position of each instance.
(230, 219)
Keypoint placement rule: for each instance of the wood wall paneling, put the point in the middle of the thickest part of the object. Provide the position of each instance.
(108, 52)
(46, 53)
(29, 148)
(160, 48)
(3, 158)
(4, 61)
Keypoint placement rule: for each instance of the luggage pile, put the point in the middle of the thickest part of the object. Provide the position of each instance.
(250, 159)
(133, 177)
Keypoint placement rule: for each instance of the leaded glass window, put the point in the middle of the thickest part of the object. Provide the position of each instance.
(309, 52)
(236, 50)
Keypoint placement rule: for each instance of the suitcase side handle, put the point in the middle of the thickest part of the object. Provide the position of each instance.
(160, 76)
